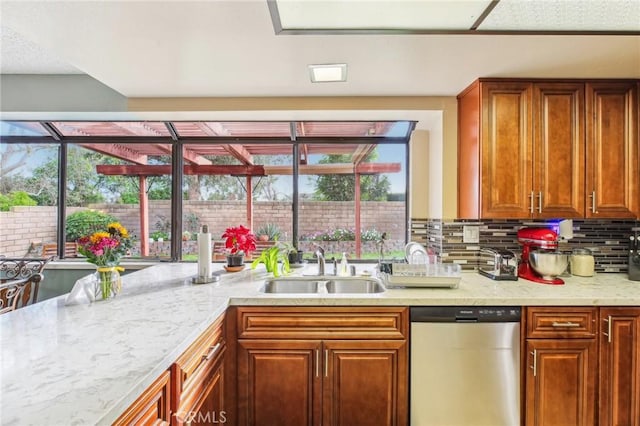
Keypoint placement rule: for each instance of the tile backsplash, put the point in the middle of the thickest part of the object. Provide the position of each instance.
(608, 239)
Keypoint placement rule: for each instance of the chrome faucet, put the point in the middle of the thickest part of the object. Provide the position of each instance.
(320, 255)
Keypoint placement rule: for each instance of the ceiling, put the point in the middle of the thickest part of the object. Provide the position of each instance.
(230, 49)
(459, 16)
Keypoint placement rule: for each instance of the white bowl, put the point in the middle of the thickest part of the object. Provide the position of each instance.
(549, 264)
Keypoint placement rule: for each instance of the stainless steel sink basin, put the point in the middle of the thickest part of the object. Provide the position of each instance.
(354, 285)
(285, 285)
(322, 285)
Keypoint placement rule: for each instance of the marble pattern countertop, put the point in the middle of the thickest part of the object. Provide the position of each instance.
(85, 364)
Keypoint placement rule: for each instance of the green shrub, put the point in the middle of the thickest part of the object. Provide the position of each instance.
(269, 229)
(342, 234)
(86, 222)
(16, 198)
(156, 235)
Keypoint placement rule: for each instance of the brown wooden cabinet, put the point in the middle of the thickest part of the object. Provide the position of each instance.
(574, 353)
(198, 380)
(561, 366)
(558, 150)
(152, 407)
(494, 150)
(279, 382)
(362, 382)
(311, 366)
(619, 367)
(561, 382)
(543, 148)
(612, 170)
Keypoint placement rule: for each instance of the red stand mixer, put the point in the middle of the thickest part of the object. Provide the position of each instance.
(537, 239)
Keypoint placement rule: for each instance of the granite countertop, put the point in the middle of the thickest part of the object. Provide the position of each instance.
(85, 364)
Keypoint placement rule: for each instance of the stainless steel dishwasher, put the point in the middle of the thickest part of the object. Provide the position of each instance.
(465, 366)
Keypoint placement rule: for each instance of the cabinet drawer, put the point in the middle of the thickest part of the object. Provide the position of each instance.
(322, 323)
(543, 322)
(198, 357)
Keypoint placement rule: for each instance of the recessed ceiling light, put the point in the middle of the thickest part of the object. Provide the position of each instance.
(326, 73)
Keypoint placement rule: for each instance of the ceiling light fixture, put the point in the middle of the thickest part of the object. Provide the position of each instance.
(327, 73)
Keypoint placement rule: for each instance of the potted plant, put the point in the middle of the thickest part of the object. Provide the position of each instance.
(294, 255)
(268, 232)
(270, 257)
(239, 241)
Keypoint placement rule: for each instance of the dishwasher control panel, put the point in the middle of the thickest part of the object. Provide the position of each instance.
(466, 313)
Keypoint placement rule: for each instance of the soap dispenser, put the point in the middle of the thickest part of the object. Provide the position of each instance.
(344, 266)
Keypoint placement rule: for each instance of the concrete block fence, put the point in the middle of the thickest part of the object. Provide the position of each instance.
(23, 226)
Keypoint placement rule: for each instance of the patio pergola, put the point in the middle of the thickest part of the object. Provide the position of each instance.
(137, 142)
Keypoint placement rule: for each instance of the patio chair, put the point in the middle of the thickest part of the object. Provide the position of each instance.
(20, 281)
(16, 293)
(51, 249)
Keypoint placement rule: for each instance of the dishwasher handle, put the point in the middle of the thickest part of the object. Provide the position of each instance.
(463, 319)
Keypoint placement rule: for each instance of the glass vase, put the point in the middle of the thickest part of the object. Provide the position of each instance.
(107, 282)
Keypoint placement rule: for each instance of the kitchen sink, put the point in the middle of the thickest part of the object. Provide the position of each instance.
(331, 285)
(356, 285)
(288, 285)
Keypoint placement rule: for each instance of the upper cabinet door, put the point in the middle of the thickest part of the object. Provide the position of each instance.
(506, 150)
(558, 147)
(612, 149)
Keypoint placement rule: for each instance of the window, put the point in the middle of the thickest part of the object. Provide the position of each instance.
(350, 188)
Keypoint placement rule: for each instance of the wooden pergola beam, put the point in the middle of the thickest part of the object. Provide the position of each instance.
(240, 152)
(336, 169)
(188, 154)
(240, 170)
(361, 152)
(165, 169)
(116, 150)
(304, 154)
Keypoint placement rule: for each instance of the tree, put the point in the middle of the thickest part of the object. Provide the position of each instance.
(14, 160)
(82, 181)
(342, 187)
(126, 189)
(220, 187)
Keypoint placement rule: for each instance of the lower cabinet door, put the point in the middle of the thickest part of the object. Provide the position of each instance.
(364, 383)
(279, 382)
(152, 407)
(619, 367)
(560, 382)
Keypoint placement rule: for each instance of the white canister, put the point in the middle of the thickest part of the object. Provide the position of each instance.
(582, 263)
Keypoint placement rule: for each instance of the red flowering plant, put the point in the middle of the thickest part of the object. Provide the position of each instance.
(239, 240)
(106, 248)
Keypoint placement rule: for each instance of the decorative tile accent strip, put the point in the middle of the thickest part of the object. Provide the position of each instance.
(608, 239)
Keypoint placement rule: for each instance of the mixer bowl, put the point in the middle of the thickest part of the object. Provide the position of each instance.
(549, 264)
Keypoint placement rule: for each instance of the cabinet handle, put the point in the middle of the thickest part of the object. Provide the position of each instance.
(593, 202)
(212, 351)
(534, 367)
(326, 363)
(531, 202)
(540, 202)
(565, 324)
(608, 333)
